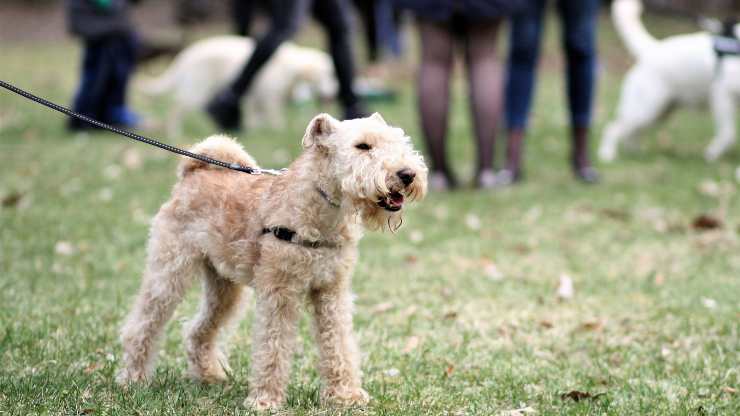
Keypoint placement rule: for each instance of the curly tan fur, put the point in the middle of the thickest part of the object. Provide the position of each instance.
(212, 227)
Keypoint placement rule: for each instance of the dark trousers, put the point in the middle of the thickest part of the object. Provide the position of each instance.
(286, 16)
(107, 65)
(579, 18)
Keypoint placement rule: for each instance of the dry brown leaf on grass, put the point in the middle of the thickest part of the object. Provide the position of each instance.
(92, 367)
(11, 199)
(449, 370)
(577, 395)
(381, 308)
(729, 390)
(595, 325)
(706, 222)
(411, 259)
(411, 344)
(450, 315)
(615, 214)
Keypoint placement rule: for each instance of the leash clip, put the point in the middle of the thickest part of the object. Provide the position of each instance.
(273, 172)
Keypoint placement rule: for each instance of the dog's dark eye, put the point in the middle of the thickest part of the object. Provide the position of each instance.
(363, 146)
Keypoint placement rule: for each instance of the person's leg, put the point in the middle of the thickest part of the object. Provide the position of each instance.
(484, 80)
(366, 12)
(579, 37)
(243, 11)
(526, 33)
(437, 43)
(285, 18)
(92, 84)
(334, 15)
(123, 63)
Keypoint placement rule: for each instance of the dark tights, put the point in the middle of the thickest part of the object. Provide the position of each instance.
(484, 81)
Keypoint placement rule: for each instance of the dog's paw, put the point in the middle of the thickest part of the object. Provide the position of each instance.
(346, 397)
(712, 154)
(262, 403)
(607, 154)
(128, 376)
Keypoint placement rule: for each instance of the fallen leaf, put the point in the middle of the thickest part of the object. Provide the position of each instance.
(709, 303)
(93, 367)
(87, 411)
(106, 194)
(411, 344)
(416, 236)
(64, 248)
(729, 390)
(615, 214)
(592, 326)
(450, 315)
(491, 271)
(546, 324)
(132, 159)
(411, 259)
(112, 171)
(12, 199)
(473, 222)
(709, 188)
(524, 410)
(382, 307)
(522, 249)
(449, 370)
(706, 222)
(577, 396)
(659, 279)
(565, 287)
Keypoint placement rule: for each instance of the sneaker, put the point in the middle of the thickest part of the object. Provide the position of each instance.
(225, 111)
(587, 175)
(123, 117)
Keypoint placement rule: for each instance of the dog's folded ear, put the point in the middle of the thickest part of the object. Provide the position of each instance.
(321, 127)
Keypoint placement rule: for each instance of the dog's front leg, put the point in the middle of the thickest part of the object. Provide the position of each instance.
(274, 341)
(339, 356)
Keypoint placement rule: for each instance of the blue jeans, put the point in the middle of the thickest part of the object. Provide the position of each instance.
(106, 68)
(578, 18)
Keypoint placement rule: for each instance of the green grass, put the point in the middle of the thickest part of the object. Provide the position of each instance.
(653, 323)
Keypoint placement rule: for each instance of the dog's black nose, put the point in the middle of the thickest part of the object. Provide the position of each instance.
(406, 175)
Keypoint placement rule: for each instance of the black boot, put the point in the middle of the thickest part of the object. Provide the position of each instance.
(225, 111)
(582, 169)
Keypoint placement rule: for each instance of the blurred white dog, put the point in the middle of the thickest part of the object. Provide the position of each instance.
(202, 69)
(680, 70)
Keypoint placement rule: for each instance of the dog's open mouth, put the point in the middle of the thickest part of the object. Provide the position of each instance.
(391, 202)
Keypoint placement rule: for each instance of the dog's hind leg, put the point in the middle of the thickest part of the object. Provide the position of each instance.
(639, 107)
(722, 102)
(168, 275)
(275, 327)
(339, 357)
(218, 308)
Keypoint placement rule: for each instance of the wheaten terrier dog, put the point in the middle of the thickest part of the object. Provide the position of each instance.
(291, 237)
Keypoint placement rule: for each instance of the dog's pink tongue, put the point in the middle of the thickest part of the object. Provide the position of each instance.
(396, 199)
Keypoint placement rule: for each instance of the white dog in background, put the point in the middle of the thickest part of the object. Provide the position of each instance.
(202, 69)
(677, 71)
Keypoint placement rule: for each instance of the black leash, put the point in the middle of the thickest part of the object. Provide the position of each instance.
(134, 136)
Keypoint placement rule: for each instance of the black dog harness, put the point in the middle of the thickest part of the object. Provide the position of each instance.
(286, 234)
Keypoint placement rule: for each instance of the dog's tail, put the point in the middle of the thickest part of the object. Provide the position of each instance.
(218, 147)
(626, 16)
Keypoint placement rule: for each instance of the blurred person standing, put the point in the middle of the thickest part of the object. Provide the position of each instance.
(579, 23)
(109, 59)
(472, 26)
(286, 17)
